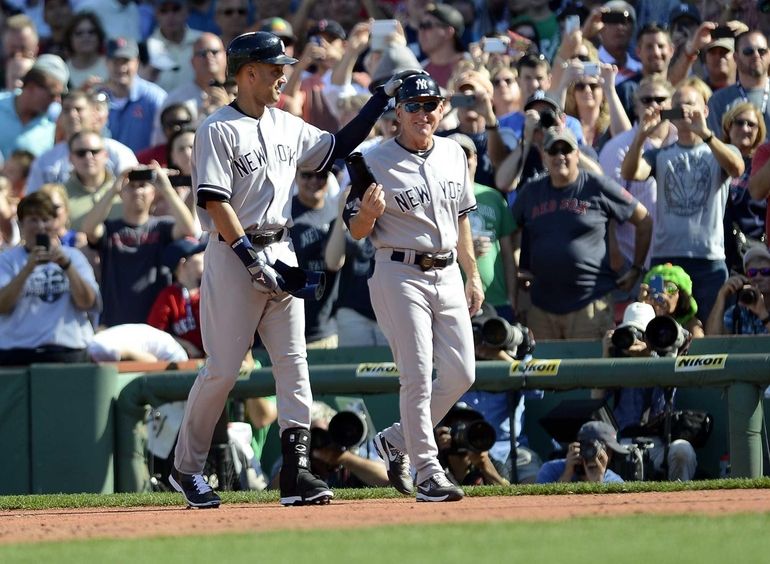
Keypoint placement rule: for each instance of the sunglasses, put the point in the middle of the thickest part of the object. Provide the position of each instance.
(84, 32)
(83, 152)
(749, 51)
(671, 289)
(560, 150)
(647, 100)
(500, 81)
(317, 175)
(583, 85)
(744, 122)
(427, 107)
(583, 58)
(430, 25)
(232, 11)
(754, 272)
(202, 53)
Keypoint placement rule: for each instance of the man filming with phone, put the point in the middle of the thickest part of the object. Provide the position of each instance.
(46, 292)
(694, 176)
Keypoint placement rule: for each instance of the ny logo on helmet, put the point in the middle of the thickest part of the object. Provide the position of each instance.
(422, 84)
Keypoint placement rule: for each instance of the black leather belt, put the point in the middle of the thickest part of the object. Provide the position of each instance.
(426, 261)
(264, 238)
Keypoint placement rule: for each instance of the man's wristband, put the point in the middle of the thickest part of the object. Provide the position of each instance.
(244, 250)
(708, 139)
(495, 125)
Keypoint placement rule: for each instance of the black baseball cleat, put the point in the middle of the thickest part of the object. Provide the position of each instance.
(397, 464)
(196, 492)
(439, 488)
(304, 489)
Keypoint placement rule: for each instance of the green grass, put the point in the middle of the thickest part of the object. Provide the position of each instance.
(70, 501)
(645, 539)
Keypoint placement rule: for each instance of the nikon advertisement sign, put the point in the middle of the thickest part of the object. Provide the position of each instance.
(541, 367)
(369, 369)
(700, 362)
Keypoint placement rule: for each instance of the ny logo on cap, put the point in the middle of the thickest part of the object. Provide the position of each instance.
(422, 84)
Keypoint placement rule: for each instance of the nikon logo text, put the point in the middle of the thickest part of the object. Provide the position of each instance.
(369, 369)
(542, 368)
(701, 362)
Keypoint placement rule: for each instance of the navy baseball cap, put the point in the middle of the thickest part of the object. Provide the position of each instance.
(685, 11)
(180, 249)
(327, 27)
(122, 48)
(601, 431)
(542, 96)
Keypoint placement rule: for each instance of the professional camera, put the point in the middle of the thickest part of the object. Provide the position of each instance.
(665, 336)
(548, 118)
(346, 429)
(468, 429)
(493, 331)
(748, 296)
(635, 319)
(589, 450)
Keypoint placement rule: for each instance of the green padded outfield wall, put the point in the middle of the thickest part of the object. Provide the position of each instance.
(14, 432)
(72, 428)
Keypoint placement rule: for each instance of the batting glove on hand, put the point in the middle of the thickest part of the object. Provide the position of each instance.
(395, 82)
(263, 276)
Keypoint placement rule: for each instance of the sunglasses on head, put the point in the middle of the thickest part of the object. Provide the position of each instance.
(427, 107)
(83, 152)
(754, 272)
(744, 122)
(748, 51)
(647, 100)
(560, 149)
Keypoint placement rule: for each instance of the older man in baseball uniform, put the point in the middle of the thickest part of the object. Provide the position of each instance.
(417, 218)
(245, 158)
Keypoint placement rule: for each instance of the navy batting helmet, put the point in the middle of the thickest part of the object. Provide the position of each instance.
(418, 86)
(257, 46)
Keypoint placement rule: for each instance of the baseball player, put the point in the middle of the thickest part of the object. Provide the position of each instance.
(245, 157)
(417, 218)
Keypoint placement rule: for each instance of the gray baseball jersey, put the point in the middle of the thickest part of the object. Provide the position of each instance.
(424, 196)
(424, 315)
(251, 163)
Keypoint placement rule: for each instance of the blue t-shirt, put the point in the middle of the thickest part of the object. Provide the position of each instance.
(568, 237)
(551, 472)
(35, 136)
(131, 119)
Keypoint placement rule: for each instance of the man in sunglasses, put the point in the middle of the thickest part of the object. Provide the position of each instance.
(693, 178)
(752, 59)
(175, 38)
(570, 265)
(748, 315)
(417, 219)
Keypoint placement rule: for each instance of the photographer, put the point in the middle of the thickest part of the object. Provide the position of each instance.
(463, 451)
(749, 315)
(496, 339)
(640, 412)
(587, 458)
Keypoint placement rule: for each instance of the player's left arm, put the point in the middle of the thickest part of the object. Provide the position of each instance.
(474, 292)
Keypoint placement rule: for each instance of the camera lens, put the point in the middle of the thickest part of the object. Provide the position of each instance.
(748, 296)
(547, 119)
(624, 337)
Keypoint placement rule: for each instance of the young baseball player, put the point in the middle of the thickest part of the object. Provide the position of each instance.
(417, 218)
(245, 158)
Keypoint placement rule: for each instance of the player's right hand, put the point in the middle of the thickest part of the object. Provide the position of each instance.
(373, 202)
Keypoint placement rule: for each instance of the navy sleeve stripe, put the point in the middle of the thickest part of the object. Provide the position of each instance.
(213, 188)
(467, 210)
(328, 156)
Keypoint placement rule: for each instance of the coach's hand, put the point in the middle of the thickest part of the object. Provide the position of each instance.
(395, 82)
(373, 202)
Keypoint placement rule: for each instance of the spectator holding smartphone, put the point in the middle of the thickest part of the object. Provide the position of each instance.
(46, 292)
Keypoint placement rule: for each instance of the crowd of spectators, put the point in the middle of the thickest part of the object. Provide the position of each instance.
(603, 138)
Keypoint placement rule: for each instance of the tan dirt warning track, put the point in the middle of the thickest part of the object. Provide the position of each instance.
(73, 524)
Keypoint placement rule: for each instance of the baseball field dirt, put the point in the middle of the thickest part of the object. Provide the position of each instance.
(72, 524)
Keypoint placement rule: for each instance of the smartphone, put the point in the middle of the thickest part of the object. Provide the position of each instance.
(180, 180)
(571, 23)
(43, 240)
(672, 114)
(722, 32)
(590, 69)
(315, 40)
(463, 101)
(142, 175)
(615, 17)
(494, 45)
(657, 285)
(381, 30)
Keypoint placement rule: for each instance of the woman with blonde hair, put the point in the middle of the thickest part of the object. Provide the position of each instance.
(743, 126)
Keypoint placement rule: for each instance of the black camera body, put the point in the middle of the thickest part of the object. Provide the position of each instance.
(589, 450)
(495, 332)
(748, 296)
(548, 118)
(624, 337)
(471, 436)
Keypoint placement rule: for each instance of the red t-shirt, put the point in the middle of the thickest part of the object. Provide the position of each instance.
(761, 156)
(175, 313)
